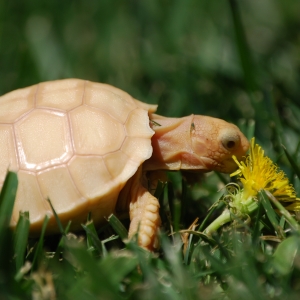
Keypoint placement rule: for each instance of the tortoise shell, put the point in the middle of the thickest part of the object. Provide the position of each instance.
(74, 142)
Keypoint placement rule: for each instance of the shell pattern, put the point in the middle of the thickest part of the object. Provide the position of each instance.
(73, 141)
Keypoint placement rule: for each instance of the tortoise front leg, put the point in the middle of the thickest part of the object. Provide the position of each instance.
(144, 217)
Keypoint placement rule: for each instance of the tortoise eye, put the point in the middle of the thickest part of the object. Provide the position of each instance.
(230, 140)
(230, 144)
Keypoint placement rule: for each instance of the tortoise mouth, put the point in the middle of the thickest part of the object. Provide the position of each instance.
(201, 164)
(228, 165)
(208, 164)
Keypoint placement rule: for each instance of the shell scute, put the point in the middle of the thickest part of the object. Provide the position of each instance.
(57, 185)
(43, 139)
(29, 196)
(17, 103)
(120, 166)
(95, 132)
(109, 102)
(93, 180)
(141, 148)
(116, 91)
(60, 95)
(133, 122)
(8, 157)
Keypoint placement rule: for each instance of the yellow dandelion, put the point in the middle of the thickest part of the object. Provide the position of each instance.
(259, 172)
(256, 173)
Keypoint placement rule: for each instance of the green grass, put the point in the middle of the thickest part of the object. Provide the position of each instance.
(236, 60)
(257, 260)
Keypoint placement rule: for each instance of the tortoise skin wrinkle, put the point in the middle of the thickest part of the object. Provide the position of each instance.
(87, 146)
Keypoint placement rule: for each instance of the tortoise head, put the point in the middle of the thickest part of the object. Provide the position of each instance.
(215, 141)
(197, 143)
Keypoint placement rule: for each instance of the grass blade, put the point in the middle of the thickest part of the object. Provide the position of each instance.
(242, 45)
(257, 223)
(250, 129)
(93, 240)
(7, 200)
(58, 222)
(216, 205)
(285, 255)
(118, 227)
(39, 249)
(292, 162)
(159, 189)
(263, 198)
(20, 238)
(294, 224)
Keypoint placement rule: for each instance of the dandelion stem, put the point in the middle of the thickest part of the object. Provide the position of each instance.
(250, 206)
(224, 218)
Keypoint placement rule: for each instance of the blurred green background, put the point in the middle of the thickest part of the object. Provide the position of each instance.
(189, 56)
(238, 60)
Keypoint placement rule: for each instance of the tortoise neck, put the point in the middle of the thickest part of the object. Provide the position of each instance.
(170, 141)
